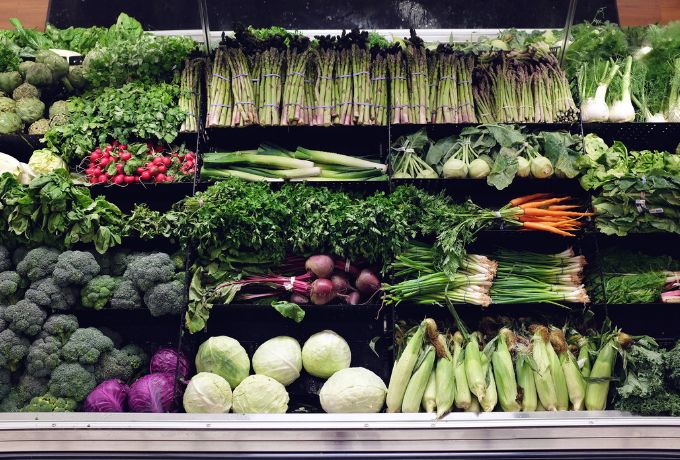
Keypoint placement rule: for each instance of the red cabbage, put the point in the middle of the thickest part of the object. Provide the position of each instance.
(152, 393)
(108, 396)
(164, 361)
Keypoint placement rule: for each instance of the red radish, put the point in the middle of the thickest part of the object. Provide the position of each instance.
(169, 179)
(129, 179)
(167, 161)
(162, 169)
(118, 179)
(95, 156)
(96, 171)
(122, 146)
(321, 291)
(340, 283)
(125, 156)
(103, 178)
(160, 178)
(119, 168)
(158, 161)
(354, 298)
(321, 265)
(298, 299)
(146, 175)
(116, 143)
(89, 171)
(94, 180)
(367, 282)
(140, 170)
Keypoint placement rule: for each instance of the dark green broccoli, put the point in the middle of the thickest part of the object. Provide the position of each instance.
(25, 317)
(5, 382)
(49, 403)
(60, 326)
(13, 349)
(12, 402)
(135, 350)
(165, 299)
(44, 355)
(75, 268)
(73, 381)
(119, 364)
(38, 263)
(98, 292)
(3, 323)
(10, 285)
(178, 260)
(147, 271)
(5, 259)
(119, 262)
(29, 387)
(105, 262)
(672, 362)
(45, 293)
(126, 296)
(86, 346)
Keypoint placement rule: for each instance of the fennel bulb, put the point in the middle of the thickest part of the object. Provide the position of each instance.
(622, 110)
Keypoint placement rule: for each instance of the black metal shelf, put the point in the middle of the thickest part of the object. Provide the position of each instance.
(638, 136)
(20, 146)
(158, 196)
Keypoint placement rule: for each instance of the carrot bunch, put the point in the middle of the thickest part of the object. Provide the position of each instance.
(545, 212)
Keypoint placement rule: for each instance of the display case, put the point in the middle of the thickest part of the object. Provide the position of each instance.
(370, 328)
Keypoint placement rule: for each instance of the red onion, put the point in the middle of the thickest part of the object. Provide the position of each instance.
(322, 291)
(321, 265)
(298, 299)
(340, 283)
(367, 282)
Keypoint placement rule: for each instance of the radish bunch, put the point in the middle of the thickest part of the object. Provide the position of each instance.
(120, 164)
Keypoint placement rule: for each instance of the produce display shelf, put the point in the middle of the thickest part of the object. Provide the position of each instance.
(638, 135)
(459, 435)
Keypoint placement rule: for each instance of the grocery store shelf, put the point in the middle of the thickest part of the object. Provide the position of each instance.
(337, 433)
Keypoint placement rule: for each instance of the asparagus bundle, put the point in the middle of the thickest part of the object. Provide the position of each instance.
(418, 80)
(399, 97)
(308, 111)
(189, 98)
(378, 91)
(361, 83)
(453, 101)
(295, 86)
(244, 112)
(344, 106)
(324, 105)
(220, 100)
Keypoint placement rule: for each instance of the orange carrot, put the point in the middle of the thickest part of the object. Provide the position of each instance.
(525, 199)
(547, 212)
(540, 204)
(564, 207)
(545, 228)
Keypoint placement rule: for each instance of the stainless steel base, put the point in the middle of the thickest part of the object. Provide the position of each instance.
(324, 433)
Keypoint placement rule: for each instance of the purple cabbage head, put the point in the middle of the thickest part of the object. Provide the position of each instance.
(108, 396)
(152, 393)
(166, 360)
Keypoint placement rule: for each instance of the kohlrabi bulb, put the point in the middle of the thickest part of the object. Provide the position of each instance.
(479, 169)
(427, 174)
(523, 167)
(455, 169)
(541, 167)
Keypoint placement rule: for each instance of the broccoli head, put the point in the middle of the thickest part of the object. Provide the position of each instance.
(45, 293)
(49, 403)
(12, 402)
(119, 364)
(672, 362)
(10, 284)
(5, 259)
(147, 271)
(125, 296)
(165, 299)
(29, 387)
(60, 327)
(3, 323)
(5, 382)
(75, 268)
(98, 292)
(13, 349)
(25, 317)
(72, 381)
(38, 263)
(44, 355)
(86, 346)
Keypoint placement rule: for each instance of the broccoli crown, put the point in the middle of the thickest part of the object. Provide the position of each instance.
(3, 323)
(86, 346)
(73, 381)
(125, 296)
(61, 326)
(44, 355)
(38, 263)
(165, 299)
(672, 361)
(98, 292)
(5, 259)
(13, 349)
(147, 271)
(12, 402)
(75, 268)
(119, 263)
(29, 387)
(5, 382)
(47, 294)
(135, 350)
(118, 364)
(25, 317)
(49, 403)
(10, 282)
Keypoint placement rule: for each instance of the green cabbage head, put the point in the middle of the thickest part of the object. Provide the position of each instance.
(353, 390)
(259, 394)
(207, 393)
(225, 357)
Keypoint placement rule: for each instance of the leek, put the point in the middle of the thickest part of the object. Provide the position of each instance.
(254, 159)
(318, 156)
